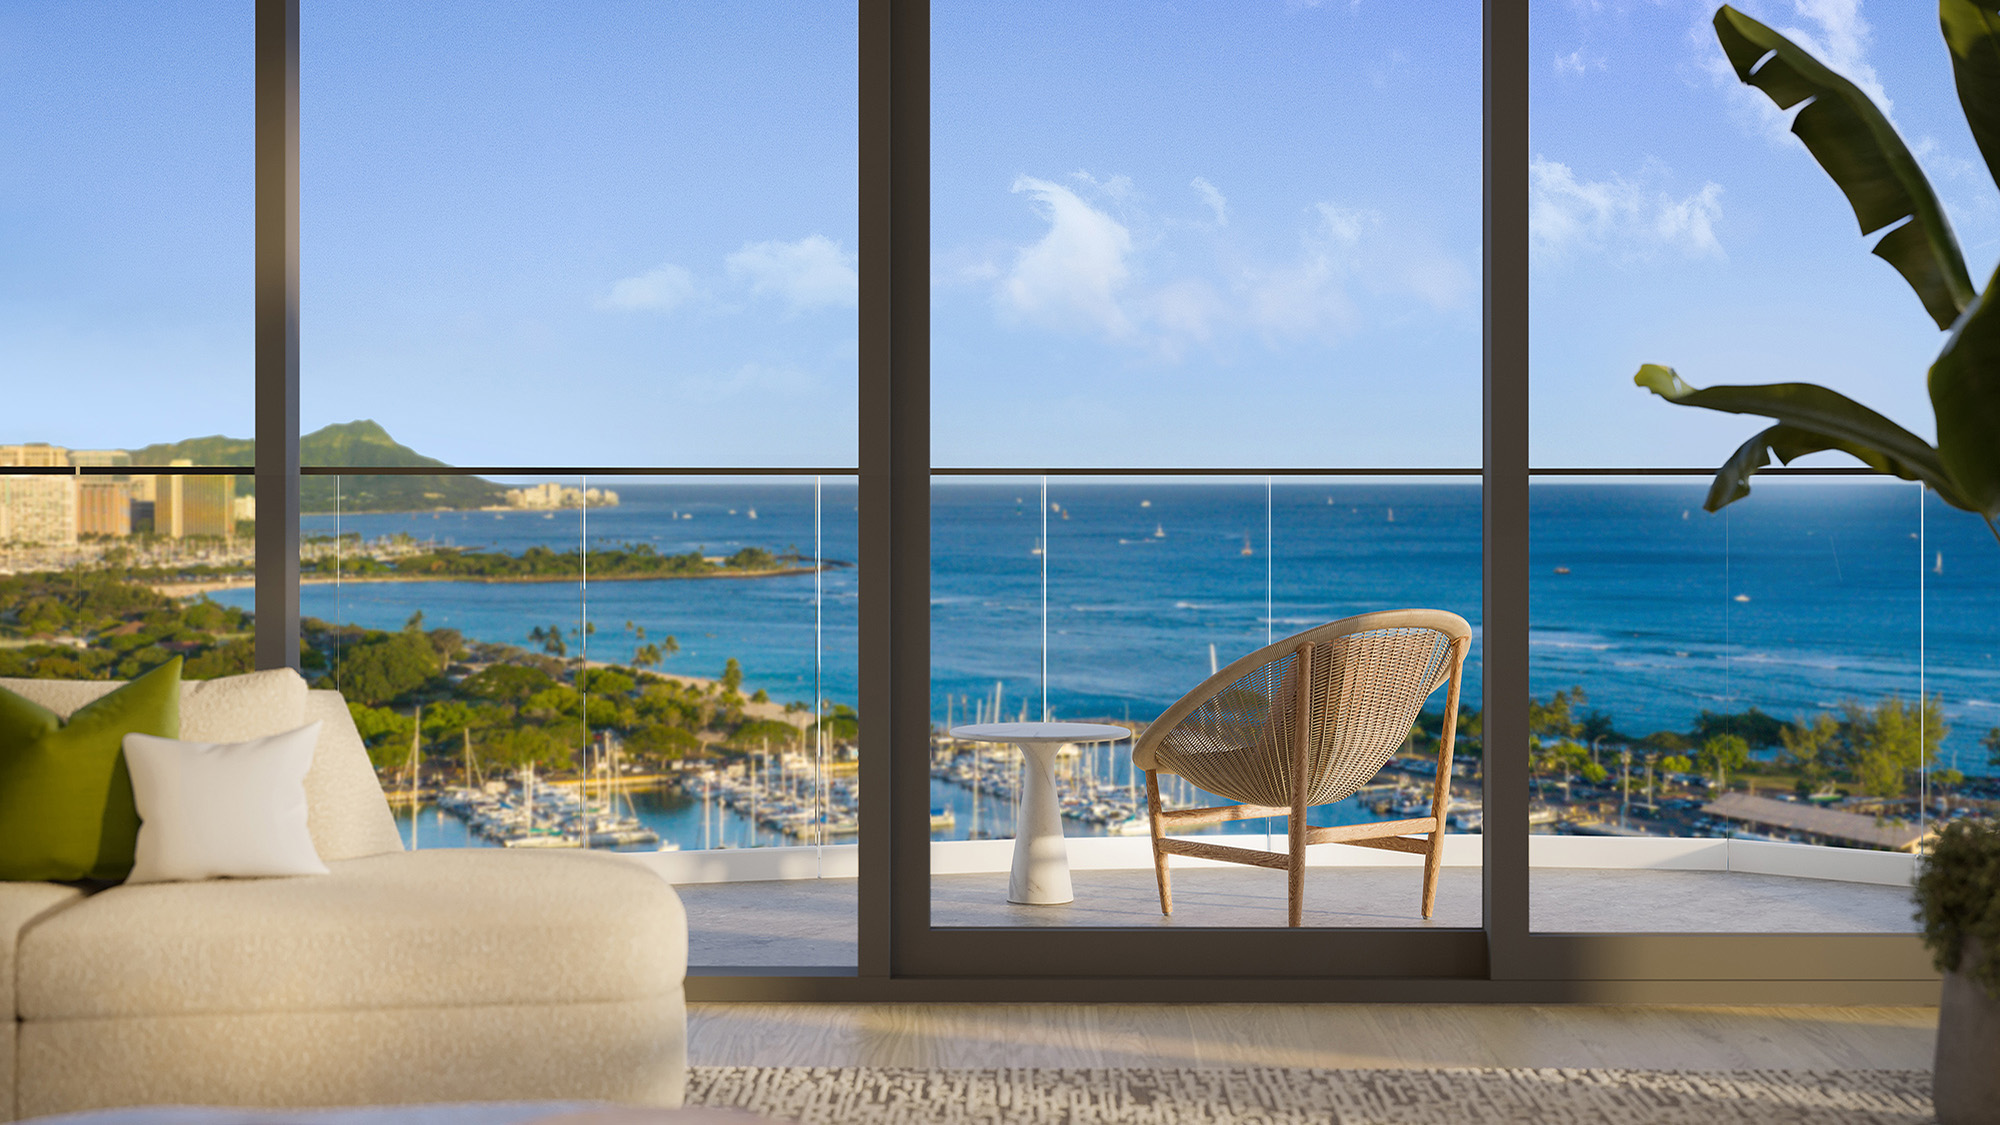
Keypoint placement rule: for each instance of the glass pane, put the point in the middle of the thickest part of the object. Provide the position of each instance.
(1676, 220)
(106, 577)
(1131, 592)
(1205, 234)
(127, 201)
(560, 234)
(654, 694)
(1726, 707)
(1960, 668)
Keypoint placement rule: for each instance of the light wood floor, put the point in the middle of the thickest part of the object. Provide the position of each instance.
(1310, 1035)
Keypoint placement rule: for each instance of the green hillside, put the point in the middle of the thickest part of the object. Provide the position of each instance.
(361, 444)
(217, 450)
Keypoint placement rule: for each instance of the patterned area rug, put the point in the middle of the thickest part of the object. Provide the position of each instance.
(1277, 1096)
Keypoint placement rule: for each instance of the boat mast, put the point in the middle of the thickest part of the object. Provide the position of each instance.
(416, 768)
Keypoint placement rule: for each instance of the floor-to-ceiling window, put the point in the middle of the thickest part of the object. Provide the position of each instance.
(1205, 321)
(126, 508)
(602, 258)
(1713, 689)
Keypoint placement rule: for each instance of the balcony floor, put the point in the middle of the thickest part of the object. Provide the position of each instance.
(812, 921)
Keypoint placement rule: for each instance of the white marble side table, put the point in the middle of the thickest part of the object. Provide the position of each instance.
(1041, 859)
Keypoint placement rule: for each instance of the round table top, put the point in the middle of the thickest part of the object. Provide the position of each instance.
(1018, 733)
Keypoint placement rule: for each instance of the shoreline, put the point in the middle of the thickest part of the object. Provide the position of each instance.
(212, 585)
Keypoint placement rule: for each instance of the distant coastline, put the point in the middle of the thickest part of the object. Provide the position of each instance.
(242, 582)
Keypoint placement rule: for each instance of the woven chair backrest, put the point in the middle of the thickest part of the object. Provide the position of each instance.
(1235, 735)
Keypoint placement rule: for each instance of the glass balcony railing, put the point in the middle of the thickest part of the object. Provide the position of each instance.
(1104, 599)
(621, 663)
(1712, 691)
(109, 574)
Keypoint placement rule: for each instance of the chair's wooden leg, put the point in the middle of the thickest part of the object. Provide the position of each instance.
(1432, 859)
(1295, 871)
(1159, 856)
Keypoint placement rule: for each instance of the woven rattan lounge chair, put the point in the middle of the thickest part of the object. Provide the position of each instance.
(1303, 722)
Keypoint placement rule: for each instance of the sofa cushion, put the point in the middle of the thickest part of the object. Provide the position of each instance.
(403, 929)
(20, 905)
(66, 808)
(215, 810)
(228, 709)
(345, 808)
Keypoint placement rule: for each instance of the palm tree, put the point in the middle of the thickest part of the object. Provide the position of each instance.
(1861, 151)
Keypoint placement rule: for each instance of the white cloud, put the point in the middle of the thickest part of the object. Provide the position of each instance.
(1620, 217)
(1576, 62)
(812, 273)
(1213, 197)
(664, 289)
(1072, 276)
(1089, 274)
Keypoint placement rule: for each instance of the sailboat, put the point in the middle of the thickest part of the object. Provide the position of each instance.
(1247, 551)
(1159, 531)
(1938, 568)
(1037, 548)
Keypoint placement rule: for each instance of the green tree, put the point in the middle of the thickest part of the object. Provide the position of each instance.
(1722, 753)
(1867, 160)
(551, 640)
(1991, 740)
(1890, 741)
(659, 742)
(507, 683)
(230, 658)
(385, 733)
(1557, 718)
(1811, 749)
(1753, 726)
(388, 666)
(607, 681)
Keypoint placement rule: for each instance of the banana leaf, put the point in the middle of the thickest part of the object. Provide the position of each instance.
(1860, 150)
(1811, 419)
(1972, 32)
(1965, 393)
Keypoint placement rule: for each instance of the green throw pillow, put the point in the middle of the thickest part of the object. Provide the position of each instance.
(66, 809)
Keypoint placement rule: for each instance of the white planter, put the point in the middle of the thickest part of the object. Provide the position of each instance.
(1965, 1083)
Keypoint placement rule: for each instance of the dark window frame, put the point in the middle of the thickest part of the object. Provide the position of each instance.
(901, 956)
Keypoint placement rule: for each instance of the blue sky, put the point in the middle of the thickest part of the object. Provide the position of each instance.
(1208, 232)
(1677, 221)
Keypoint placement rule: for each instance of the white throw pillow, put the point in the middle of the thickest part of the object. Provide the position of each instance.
(222, 809)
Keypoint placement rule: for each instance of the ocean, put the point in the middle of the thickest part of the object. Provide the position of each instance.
(1811, 592)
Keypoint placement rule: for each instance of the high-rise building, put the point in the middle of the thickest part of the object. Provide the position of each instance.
(100, 458)
(38, 511)
(197, 506)
(103, 506)
(34, 455)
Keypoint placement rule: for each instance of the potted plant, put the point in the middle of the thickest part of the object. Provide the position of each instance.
(1960, 909)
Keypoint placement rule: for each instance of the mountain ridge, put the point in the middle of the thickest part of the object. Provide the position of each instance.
(362, 443)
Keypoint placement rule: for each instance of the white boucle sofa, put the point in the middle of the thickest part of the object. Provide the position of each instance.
(426, 976)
